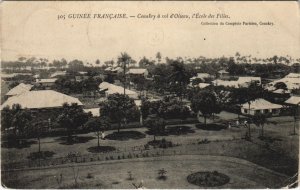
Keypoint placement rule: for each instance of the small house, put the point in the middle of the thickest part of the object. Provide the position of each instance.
(260, 106)
(138, 72)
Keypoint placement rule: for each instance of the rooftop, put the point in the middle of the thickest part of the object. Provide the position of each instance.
(40, 99)
(295, 100)
(19, 89)
(261, 104)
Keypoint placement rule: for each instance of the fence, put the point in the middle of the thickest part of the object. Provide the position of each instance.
(135, 152)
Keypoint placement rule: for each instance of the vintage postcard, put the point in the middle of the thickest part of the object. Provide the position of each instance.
(150, 94)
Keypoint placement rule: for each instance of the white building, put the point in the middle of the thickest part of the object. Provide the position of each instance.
(41, 99)
(291, 80)
(260, 106)
(58, 73)
(246, 81)
(294, 100)
(201, 76)
(109, 89)
(19, 89)
(223, 73)
(138, 71)
(241, 82)
(46, 82)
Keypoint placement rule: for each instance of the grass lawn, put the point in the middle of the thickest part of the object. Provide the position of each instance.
(278, 152)
(242, 174)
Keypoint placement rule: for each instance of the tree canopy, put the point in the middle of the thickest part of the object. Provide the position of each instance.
(118, 107)
(72, 117)
(206, 102)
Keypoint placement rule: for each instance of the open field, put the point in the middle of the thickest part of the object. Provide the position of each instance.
(114, 174)
(278, 152)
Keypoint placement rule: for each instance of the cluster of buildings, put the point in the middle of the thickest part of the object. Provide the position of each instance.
(291, 81)
(47, 99)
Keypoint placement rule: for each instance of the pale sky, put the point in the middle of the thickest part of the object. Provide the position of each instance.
(32, 29)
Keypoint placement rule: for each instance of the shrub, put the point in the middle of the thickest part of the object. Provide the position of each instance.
(89, 176)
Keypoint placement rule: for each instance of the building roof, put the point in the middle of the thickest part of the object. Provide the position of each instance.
(3, 75)
(281, 91)
(40, 99)
(138, 103)
(203, 85)
(58, 73)
(261, 104)
(94, 111)
(108, 69)
(114, 89)
(293, 75)
(243, 80)
(226, 83)
(295, 100)
(11, 75)
(139, 71)
(291, 83)
(223, 72)
(118, 69)
(52, 80)
(82, 72)
(19, 89)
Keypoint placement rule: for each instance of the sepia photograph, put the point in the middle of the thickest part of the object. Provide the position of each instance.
(150, 95)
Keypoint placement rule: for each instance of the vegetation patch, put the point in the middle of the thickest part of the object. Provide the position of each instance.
(205, 141)
(211, 127)
(19, 144)
(179, 130)
(269, 139)
(75, 140)
(40, 155)
(125, 135)
(208, 179)
(101, 149)
(160, 143)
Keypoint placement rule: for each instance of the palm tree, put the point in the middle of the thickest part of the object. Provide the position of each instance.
(97, 62)
(124, 60)
(158, 57)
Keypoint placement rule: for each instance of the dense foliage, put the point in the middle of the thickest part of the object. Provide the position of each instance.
(72, 117)
(119, 108)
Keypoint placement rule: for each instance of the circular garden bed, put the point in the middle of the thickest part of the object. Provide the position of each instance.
(101, 149)
(208, 179)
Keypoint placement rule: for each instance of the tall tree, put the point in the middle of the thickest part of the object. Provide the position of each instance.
(17, 118)
(124, 59)
(179, 78)
(72, 117)
(119, 108)
(156, 125)
(144, 63)
(99, 125)
(97, 62)
(158, 57)
(205, 102)
(260, 120)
